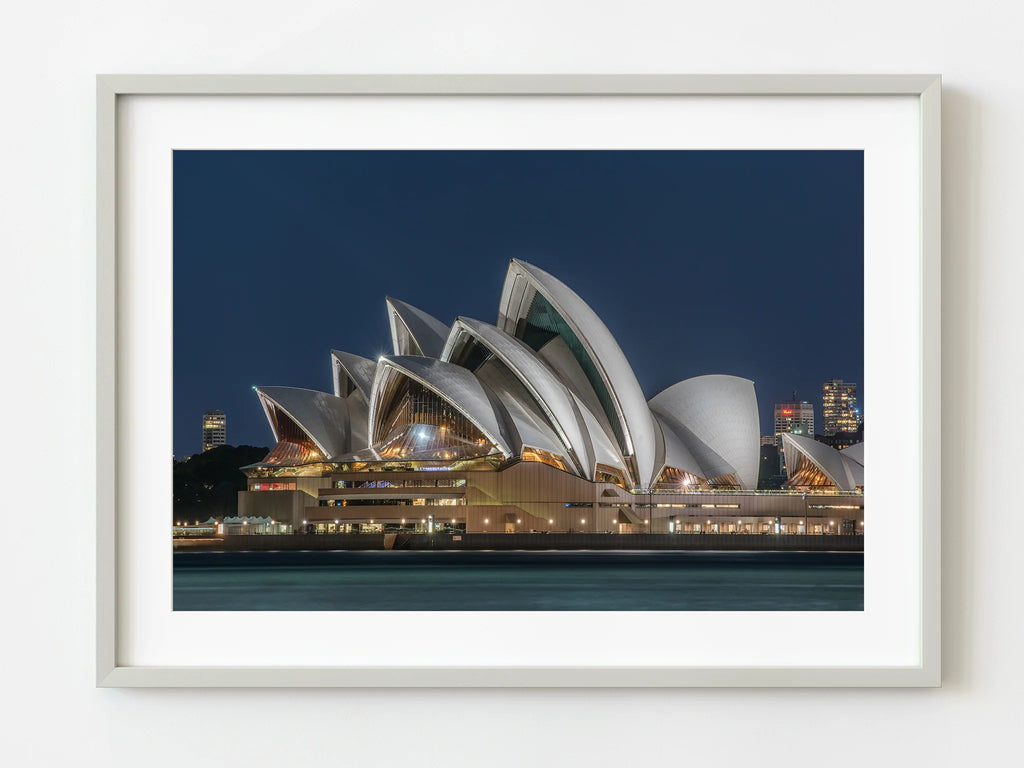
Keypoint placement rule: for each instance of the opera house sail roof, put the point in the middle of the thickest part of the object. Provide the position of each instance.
(811, 464)
(547, 382)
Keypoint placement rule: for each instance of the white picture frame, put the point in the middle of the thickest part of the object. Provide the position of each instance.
(112, 672)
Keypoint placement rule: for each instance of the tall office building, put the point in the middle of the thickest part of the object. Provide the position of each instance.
(839, 407)
(795, 416)
(215, 425)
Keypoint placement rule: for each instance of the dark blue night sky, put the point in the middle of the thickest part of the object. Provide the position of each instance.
(747, 263)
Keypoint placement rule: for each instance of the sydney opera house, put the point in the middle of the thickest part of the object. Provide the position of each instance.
(535, 423)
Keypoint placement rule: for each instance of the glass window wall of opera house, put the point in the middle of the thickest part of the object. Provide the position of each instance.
(534, 424)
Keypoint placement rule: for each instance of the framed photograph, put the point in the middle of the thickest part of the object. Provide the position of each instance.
(518, 380)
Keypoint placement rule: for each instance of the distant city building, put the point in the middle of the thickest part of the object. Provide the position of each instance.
(794, 417)
(841, 440)
(214, 429)
(839, 410)
(768, 440)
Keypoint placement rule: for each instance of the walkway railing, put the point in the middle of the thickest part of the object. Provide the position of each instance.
(726, 492)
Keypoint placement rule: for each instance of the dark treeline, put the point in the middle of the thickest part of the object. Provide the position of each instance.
(207, 485)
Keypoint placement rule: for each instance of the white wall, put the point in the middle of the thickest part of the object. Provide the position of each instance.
(50, 53)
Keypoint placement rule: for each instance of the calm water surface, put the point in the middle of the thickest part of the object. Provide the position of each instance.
(518, 581)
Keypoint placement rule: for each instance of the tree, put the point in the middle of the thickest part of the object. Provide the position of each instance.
(207, 484)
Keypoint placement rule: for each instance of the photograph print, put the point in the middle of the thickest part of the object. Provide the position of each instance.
(518, 380)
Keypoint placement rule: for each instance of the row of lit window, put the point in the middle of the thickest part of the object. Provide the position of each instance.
(441, 483)
(374, 502)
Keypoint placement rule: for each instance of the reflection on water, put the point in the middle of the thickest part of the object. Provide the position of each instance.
(518, 581)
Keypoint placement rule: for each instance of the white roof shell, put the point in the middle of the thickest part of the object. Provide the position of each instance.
(843, 470)
(528, 423)
(540, 381)
(360, 370)
(323, 417)
(721, 413)
(455, 384)
(676, 452)
(522, 281)
(406, 321)
(855, 452)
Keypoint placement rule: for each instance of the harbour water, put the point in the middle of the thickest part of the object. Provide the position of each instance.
(518, 581)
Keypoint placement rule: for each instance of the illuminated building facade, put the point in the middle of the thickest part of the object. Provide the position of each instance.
(841, 440)
(795, 416)
(839, 412)
(535, 423)
(215, 426)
